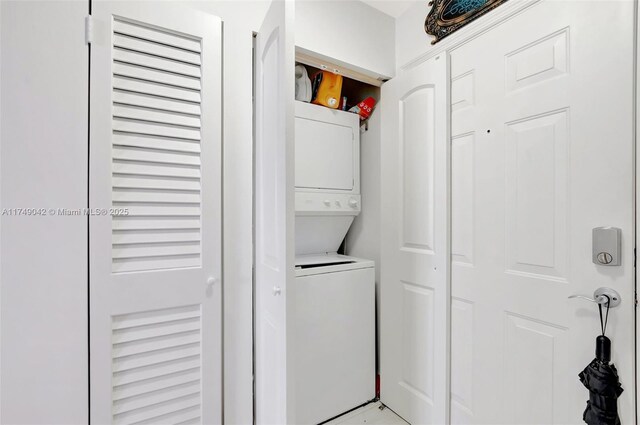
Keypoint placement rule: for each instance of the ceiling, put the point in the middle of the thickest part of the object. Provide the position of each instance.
(392, 8)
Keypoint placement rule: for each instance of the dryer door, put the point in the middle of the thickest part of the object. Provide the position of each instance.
(326, 149)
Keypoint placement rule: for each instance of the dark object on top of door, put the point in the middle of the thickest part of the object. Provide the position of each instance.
(601, 379)
(447, 16)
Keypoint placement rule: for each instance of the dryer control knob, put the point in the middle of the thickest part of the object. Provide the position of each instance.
(327, 202)
(353, 203)
(338, 204)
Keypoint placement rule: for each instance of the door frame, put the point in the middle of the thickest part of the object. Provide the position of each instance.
(636, 158)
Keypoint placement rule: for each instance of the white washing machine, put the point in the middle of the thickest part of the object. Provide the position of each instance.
(333, 322)
(334, 331)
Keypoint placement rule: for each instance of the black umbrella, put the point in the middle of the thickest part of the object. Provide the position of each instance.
(601, 379)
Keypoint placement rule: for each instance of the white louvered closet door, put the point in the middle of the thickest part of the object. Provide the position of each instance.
(155, 151)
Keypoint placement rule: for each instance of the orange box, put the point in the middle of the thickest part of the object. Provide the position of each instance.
(330, 90)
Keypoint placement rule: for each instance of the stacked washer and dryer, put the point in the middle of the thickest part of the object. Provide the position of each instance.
(334, 330)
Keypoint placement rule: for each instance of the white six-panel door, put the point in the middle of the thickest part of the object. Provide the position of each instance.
(155, 152)
(274, 209)
(542, 152)
(414, 294)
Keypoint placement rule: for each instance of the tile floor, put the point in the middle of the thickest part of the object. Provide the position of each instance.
(371, 414)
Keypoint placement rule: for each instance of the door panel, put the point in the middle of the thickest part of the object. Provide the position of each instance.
(274, 198)
(155, 270)
(542, 148)
(414, 295)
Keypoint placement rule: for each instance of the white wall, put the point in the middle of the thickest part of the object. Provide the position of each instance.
(410, 38)
(43, 273)
(348, 31)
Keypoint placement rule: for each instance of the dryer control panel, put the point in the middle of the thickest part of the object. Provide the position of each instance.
(318, 203)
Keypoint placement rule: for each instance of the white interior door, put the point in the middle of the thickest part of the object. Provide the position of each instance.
(414, 294)
(274, 206)
(155, 151)
(542, 152)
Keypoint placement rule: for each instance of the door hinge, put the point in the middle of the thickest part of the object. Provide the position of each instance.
(88, 29)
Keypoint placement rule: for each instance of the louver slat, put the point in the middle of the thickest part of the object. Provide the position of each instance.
(147, 114)
(153, 62)
(152, 317)
(126, 265)
(131, 126)
(168, 210)
(150, 168)
(155, 150)
(136, 85)
(156, 49)
(154, 357)
(161, 396)
(153, 102)
(161, 413)
(154, 236)
(121, 392)
(157, 197)
(159, 183)
(150, 155)
(145, 141)
(153, 34)
(156, 223)
(171, 417)
(155, 250)
(156, 370)
(155, 330)
(161, 77)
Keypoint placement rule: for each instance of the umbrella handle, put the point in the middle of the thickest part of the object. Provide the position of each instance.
(603, 349)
